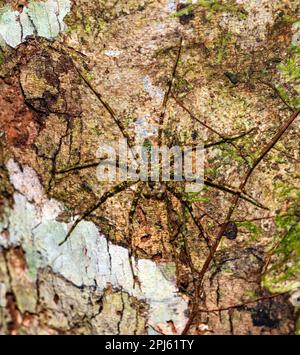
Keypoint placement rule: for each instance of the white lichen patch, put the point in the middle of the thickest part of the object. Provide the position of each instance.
(144, 129)
(295, 299)
(3, 291)
(42, 18)
(154, 92)
(87, 258)
(171, 6)
(113, 53)
(296, 36)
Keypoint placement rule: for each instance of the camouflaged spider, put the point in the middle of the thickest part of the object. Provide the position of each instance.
(179, 208)
(62, 75)
(160, 210)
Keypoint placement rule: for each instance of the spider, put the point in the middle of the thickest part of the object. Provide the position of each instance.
(161, 214)
(161, 211)
(181, 210)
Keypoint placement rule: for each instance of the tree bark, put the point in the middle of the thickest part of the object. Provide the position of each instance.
(79, 255)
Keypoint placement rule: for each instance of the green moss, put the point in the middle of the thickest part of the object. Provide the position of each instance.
(88, 26)
(273, 284)
(251, 227)
(289, 19)
(212, 172)
(185, 11)
(212, 7)
(288, 224)
(292, 101)
(290, 70)
(222, 47)
(284, 269)
(89, 76)
(182, 86)
(251, 295)
(194, 197)
(285, 191)
(1, 57)
(230, 152)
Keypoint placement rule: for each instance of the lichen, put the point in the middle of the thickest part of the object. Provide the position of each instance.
(44, 19)
(87, 259)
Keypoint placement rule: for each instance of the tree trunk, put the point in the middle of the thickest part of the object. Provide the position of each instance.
(80, 255)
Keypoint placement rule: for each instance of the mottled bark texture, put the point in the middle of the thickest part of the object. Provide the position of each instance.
(77, 74)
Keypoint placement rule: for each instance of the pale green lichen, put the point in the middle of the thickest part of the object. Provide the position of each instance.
(44, 19)
(87, 259)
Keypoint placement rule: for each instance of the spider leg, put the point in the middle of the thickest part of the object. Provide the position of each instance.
(115, 190)
(94, 164)
(222, 136)
(236, 192)
(225, 188)
(229, 139)
(132, 212)
(168, 92)
(174, 225)
(230, 190)
(190, 209)
(181, 229)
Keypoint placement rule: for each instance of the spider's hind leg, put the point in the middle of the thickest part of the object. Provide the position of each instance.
(132, 212)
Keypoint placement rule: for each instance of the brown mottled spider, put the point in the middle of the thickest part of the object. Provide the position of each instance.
(182, 209)
(170, 193)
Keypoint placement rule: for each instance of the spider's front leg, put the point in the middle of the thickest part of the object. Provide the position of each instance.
(112, 192)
